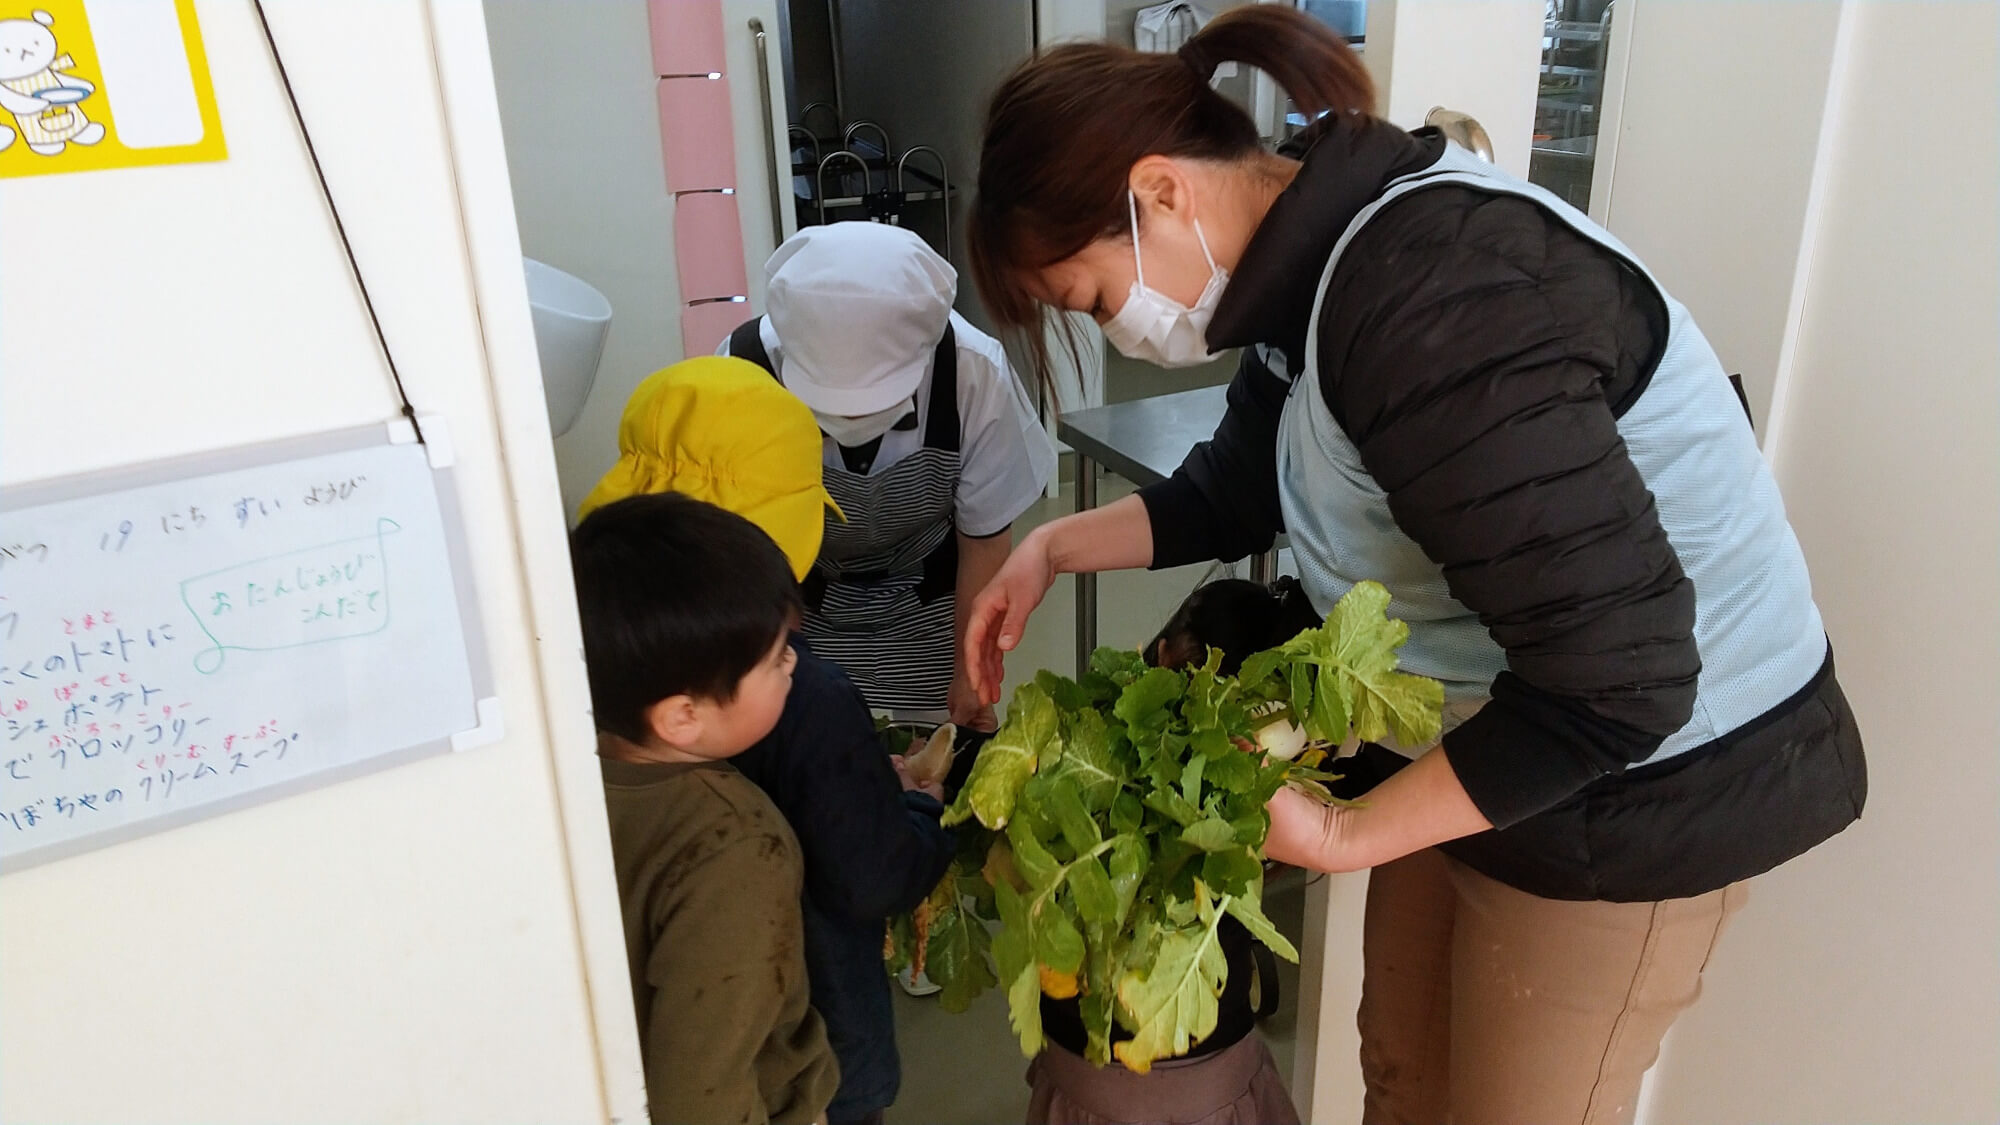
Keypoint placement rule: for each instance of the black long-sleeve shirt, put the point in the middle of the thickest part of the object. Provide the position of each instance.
(871, 850)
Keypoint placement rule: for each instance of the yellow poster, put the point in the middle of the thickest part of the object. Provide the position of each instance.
(92, 84)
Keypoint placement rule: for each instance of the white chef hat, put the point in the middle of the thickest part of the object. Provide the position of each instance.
(858, 308)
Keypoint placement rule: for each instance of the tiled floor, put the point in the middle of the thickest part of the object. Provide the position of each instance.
(967, 1069)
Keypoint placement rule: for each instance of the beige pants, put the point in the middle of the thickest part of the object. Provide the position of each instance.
(1486, 1005)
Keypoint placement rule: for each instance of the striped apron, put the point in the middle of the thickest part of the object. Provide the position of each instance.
(881, 600)
(56, 124)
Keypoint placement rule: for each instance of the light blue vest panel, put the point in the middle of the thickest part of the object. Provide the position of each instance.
(1756, 626)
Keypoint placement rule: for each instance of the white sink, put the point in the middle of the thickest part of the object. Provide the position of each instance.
(571, 319)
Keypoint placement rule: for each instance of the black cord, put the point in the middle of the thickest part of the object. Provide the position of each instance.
(353, 263)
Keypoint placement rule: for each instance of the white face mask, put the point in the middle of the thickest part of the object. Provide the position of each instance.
(861, 430)
(1154, 327)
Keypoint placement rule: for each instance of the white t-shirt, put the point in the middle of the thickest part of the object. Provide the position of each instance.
(1005, 455)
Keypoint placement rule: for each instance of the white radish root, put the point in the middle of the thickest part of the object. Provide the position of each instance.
(930, 765)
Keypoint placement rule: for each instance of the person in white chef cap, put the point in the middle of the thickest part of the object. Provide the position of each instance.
(932, 450)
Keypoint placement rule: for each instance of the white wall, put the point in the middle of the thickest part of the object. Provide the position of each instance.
(409, 946)
(1861, 984)
(1474, 56)
(582, 122)
(577, 98)
(1716, 132)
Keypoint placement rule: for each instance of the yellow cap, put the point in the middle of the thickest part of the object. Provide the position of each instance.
(723, 430)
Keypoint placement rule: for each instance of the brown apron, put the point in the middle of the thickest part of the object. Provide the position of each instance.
(1236, 1086)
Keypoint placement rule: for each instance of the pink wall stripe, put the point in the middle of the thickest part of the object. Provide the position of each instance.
(708, 246)
(687, 37)
(696, 134)
(704, 327)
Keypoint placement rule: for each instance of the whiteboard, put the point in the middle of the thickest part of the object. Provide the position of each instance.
(179, 640)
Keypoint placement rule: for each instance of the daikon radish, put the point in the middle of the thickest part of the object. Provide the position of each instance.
(930, 765)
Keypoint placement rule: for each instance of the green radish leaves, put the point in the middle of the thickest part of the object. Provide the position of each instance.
(1114, 821)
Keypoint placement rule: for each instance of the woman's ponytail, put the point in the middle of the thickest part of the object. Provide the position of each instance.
(1315, 67)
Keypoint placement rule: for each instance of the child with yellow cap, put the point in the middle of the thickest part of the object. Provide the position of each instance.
(722, 430)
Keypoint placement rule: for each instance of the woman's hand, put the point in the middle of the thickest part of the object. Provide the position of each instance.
(1305, 833)
(1000, 613)
(1118, 536)
(1421, 805)
(979, 561)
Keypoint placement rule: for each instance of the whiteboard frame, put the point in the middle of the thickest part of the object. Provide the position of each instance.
(472, 626)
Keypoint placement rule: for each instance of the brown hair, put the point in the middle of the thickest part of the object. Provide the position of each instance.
(1064, 130)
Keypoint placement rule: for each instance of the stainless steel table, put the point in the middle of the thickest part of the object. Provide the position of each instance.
(1144, 442)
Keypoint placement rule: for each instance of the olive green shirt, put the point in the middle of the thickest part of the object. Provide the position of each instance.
(709, 879)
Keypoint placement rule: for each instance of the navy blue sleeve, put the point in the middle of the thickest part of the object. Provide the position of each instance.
(871, 850)
(1222, 503)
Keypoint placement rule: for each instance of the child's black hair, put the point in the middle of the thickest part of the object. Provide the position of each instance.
(677, 597)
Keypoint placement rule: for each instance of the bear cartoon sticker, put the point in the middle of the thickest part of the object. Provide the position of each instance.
(97, 85)
(46, 102)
